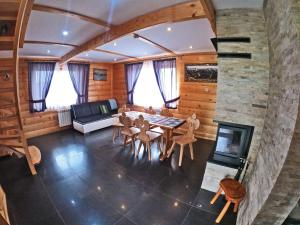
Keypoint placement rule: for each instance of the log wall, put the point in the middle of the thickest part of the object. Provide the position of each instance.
(194, 96)
(36, 124)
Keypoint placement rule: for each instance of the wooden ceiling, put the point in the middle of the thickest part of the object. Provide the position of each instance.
(190, 10)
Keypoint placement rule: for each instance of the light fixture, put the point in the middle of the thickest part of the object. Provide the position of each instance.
(169, 29)
(115, 43)
(175, 204)
(65, 33)
(191, 47)
(86, 54)
(48, 51)
(115, 59)
(123, 206)
(99, 188)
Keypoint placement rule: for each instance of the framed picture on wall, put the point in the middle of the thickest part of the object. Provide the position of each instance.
(100, 74)
(201, 73)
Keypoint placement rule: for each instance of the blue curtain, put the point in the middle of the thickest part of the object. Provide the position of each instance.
(132, 74)
(40, 75)
(165, 73)
(79, 74)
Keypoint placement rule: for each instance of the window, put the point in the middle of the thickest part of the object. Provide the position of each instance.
(146, 92)
(61, 93)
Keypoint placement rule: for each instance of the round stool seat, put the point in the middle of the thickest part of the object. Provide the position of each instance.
(234, 191)
(34, 152)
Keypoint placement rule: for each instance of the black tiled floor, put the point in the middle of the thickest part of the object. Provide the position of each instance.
(88, 180)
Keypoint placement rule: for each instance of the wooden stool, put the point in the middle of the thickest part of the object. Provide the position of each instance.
(234, 193)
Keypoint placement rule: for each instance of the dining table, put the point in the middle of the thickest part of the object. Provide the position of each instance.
(167, 124)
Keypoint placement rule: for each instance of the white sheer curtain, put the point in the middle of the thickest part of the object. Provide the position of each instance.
(146, 91)
(61, 93)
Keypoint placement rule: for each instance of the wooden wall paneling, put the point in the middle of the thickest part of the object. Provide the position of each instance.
(36, 124)
(194, 96)
(119, 85)
(198, 97)
(100, 90)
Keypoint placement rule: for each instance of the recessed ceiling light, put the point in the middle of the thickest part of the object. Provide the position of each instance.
(191, 47)
(48, 51)
(65, 33)
(115, 43)
(169, 29)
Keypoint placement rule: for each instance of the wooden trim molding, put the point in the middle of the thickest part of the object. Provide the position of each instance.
(49, 43)
(144, 39)
(179, 12)
(25, 22)
(210, 13)
(114, 53)
(49, 9)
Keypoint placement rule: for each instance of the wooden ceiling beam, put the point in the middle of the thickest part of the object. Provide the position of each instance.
(179, 12)
(25, 22)
(115, 53)
(49, 9)
(159, 57)
(144, 39)
(210, 13)
(49, 43)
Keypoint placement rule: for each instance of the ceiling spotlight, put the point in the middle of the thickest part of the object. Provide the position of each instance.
(191, 47)
(48, 51)
(65, 33)
(115, 43)
(169, 29)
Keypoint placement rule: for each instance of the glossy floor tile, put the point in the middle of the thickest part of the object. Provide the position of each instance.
(88, 180)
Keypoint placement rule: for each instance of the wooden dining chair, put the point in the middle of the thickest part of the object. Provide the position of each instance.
(128, 131)
(146, 136)
(164, 112)
(118, 125)
(150, 110)
(189, 138)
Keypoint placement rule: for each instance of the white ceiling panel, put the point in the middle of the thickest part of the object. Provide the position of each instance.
(112, 11)
(128, 45)
(6, 54)
(44, 50)
(49, 27)
(231, 4)
(99, 57)
(184, 37)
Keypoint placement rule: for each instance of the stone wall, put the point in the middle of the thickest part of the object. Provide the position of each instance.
(273, 184)
(243, 84)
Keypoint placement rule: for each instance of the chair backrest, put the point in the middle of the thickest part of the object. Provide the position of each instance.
(193, 124)
(150, 110)
(144, 126)
(123, 109)
(166, 112)
(126, 121)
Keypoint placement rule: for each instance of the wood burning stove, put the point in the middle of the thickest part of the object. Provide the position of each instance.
(232, 144)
